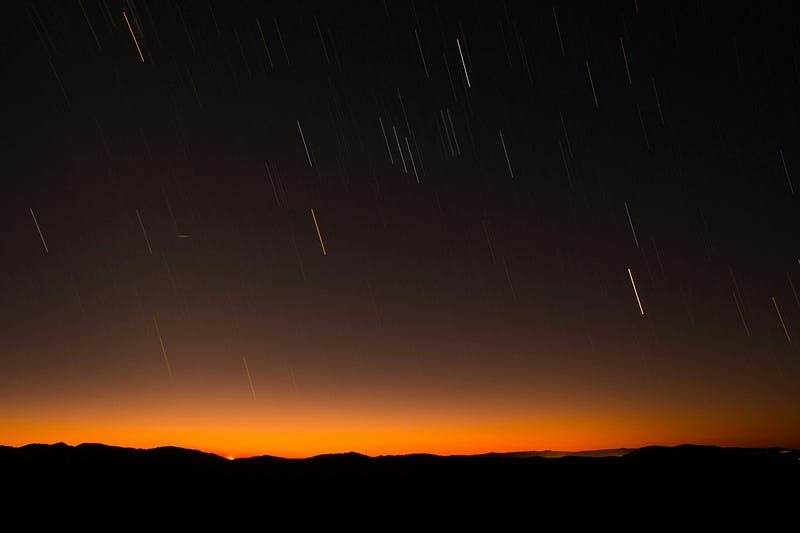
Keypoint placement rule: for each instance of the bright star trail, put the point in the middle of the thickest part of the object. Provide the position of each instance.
(139, 50)
(166, 222)
(464, 65)
(636, 292)
(319, 235)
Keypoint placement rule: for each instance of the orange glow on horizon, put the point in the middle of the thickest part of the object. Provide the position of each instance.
(301, 437)
(334, 412)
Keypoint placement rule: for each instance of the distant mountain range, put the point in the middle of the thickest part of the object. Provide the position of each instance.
(550, 453)
(104, 450)
(663, 482)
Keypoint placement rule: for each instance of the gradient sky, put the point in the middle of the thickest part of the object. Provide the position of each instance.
(487, 179)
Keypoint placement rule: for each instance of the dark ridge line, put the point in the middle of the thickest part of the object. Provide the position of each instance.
(353, 455)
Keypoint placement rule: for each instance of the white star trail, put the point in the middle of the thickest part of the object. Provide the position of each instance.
(264, 42)
(631, 224)
(558, 31)
(591, 81)
(249, 379)
(463, 64)
(508, 161)
(421, 55)
(303, 137)
(625, 57)
(780, 317)
(741, 314)
(386, 140)
(41, 236)
(400, 150)
(658, 101)
(144, 232)
(411, 157)
(636, 292)
(786, 170)
(163, 350)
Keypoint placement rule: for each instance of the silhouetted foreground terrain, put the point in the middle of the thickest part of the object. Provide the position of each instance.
(655, 484)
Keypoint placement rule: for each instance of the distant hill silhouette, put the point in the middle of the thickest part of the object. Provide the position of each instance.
(660, 483)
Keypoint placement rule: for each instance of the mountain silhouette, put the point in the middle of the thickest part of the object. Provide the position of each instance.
(193, 487)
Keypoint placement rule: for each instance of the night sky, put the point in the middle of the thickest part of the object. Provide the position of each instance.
(294, 228)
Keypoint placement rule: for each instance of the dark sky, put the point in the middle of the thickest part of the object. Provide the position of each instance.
(487, 178)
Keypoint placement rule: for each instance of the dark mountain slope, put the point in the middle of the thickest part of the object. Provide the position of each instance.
(646, 488)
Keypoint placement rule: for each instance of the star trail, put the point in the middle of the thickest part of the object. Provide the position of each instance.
(292, 228)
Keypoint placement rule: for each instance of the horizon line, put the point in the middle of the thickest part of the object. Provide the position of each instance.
(612, 452)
